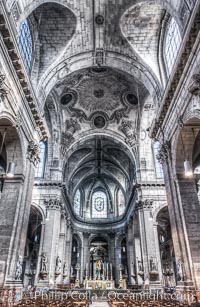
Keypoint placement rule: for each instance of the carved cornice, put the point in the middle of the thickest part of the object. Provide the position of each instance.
(54, 204)
(15, 60)
(164, 152)
(33, 152)
(171, 89)
(48, 184)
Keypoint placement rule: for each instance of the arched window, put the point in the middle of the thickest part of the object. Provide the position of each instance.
(77, 202)
(40, 167)
(121, 202)
(172, 44)
(26, 44)
(158, 166)
(99, 205)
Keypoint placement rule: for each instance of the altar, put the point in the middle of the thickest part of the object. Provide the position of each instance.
(99, 284)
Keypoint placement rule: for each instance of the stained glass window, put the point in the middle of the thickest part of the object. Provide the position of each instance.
(172, 44)
(26, 44)
(99, 205)
(158, 166)
(40, 167)
(77, 202)
(121, 202)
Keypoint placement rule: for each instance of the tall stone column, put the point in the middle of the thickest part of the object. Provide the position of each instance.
(190, 212)
(86, 255)
(15, 206)
(157, 250)
(51, 242)
(68, 249)
(130, 253)
(112, 256)
(177, 219)
(151, 260)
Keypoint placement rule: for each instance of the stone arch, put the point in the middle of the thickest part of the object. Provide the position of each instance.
(89, 134)
(73, 63)
(93, 236)
(157, 211)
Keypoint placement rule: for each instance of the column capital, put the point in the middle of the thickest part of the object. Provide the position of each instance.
(33, 152)
(144, 204)
(54, 204)
(164, 152)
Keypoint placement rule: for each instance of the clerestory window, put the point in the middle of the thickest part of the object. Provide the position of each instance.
(26, 44)
(172, 44)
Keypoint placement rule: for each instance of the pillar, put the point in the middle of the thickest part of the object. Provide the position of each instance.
(178, 216)
(51, 240)
(15, 206)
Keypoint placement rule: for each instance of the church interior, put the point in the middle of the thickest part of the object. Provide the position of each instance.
(100, 146)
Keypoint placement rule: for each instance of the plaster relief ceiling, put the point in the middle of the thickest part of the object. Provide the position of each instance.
(100, 89)
(141, 25)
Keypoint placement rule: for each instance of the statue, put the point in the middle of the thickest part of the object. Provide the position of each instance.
(43, 262)
(65, 270)
(180, 270)
(18, 274)
(58, 266)
(140, 266)
(99, 266)
(153, 264)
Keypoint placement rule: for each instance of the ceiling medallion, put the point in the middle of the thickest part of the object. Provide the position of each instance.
(66, 99)
(98, 93)
(99, 122)
(99, 19)
(132, 99)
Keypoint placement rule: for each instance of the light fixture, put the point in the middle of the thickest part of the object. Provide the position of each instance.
(11, 165)
(188, 168)
(47, 216)
(11, 168)
(124, 249)
(150, 215)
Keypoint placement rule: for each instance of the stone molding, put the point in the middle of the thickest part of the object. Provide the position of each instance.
(171, 89)
(23, 81)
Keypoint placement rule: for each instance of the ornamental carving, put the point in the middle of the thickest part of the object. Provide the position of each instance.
(43, 265)
(164, 152)
(55, 204)
(127, 129)
(144, 204)
(194, 87)
(3, 87)
(58, 268)
(33, 152)
(18, 273)
(71, 127)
